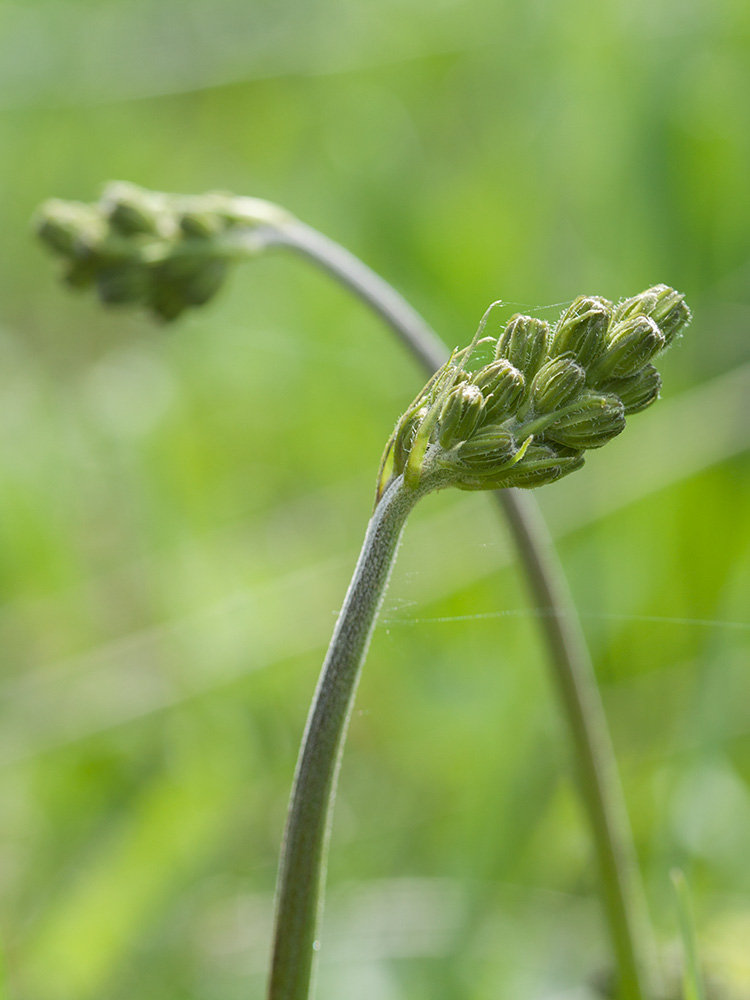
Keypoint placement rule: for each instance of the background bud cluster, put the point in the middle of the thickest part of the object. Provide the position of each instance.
(548, 395)
(139, 247)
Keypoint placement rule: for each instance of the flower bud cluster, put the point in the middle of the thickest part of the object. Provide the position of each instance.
(527, 417)
(139, 247)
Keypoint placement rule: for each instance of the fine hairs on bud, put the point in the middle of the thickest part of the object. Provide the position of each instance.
(581, 329)
(528, 417)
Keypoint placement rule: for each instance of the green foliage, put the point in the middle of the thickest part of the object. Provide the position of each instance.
(167, 493)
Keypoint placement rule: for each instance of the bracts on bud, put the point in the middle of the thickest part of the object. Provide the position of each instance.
(556, 384)
(524, 342)
(666, 307)
(636, 391)
(581, 330)
(590, 423)
(460, 414)
(630, 346)
(502, 387)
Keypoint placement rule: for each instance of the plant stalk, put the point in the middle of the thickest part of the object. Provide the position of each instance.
(305, 847)
(601, 790)
(569, 661)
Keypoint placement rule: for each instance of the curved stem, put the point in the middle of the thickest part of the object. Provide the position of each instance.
(304, 851)
(569, 661)
(366, 284)
(574, 678)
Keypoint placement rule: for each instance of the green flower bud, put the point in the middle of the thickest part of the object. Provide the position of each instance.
(546, 464)
(129, 209)
(167, 298)
(582, 329)
(206, 282)
(122, 284)
(524, 343)
(543, 464)
(636, 391)
(636, 305)
(57, 231)
(69, 228)
(670, 313)
(82, 273)
(489, 450)
(595, 420)
(556, 384)
(663, 304)
(185, 280)
(632, 344)
(460, 414)
(167, 301)
(201, 225)
(502, 386)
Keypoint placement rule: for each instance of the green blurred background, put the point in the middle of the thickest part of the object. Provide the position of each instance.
(181, 507)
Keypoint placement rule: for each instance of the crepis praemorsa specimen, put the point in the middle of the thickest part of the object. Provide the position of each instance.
(524, 419)
(548, 395)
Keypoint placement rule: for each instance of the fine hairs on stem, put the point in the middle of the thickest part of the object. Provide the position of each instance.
(305, 846)
(558, 394)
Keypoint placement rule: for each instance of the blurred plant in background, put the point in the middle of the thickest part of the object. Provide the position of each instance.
(161, 509)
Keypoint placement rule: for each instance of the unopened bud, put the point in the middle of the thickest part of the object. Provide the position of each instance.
(490, 449)
(460, 414)
(543, 464)
(129, 209)
(524, 343)
(171, 284)
(167, 301)
(123, 284)
(57, 230)
(582, 329)
(82, 272)
(201, 225)
(184, 281)
(631, 346)
(636, 391)
(671, 313)
(556, 384)
(69, 227)
(636, 305)
(206, 282)
(502, 385)
(663, 304)
(596, 419)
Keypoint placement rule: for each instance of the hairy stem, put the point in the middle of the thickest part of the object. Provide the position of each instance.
(303, 858)
(570, 664)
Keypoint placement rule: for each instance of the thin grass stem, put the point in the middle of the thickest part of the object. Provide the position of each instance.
(693, 985)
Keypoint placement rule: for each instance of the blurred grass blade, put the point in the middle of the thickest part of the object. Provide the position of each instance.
(692, 982)
(4, 995)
